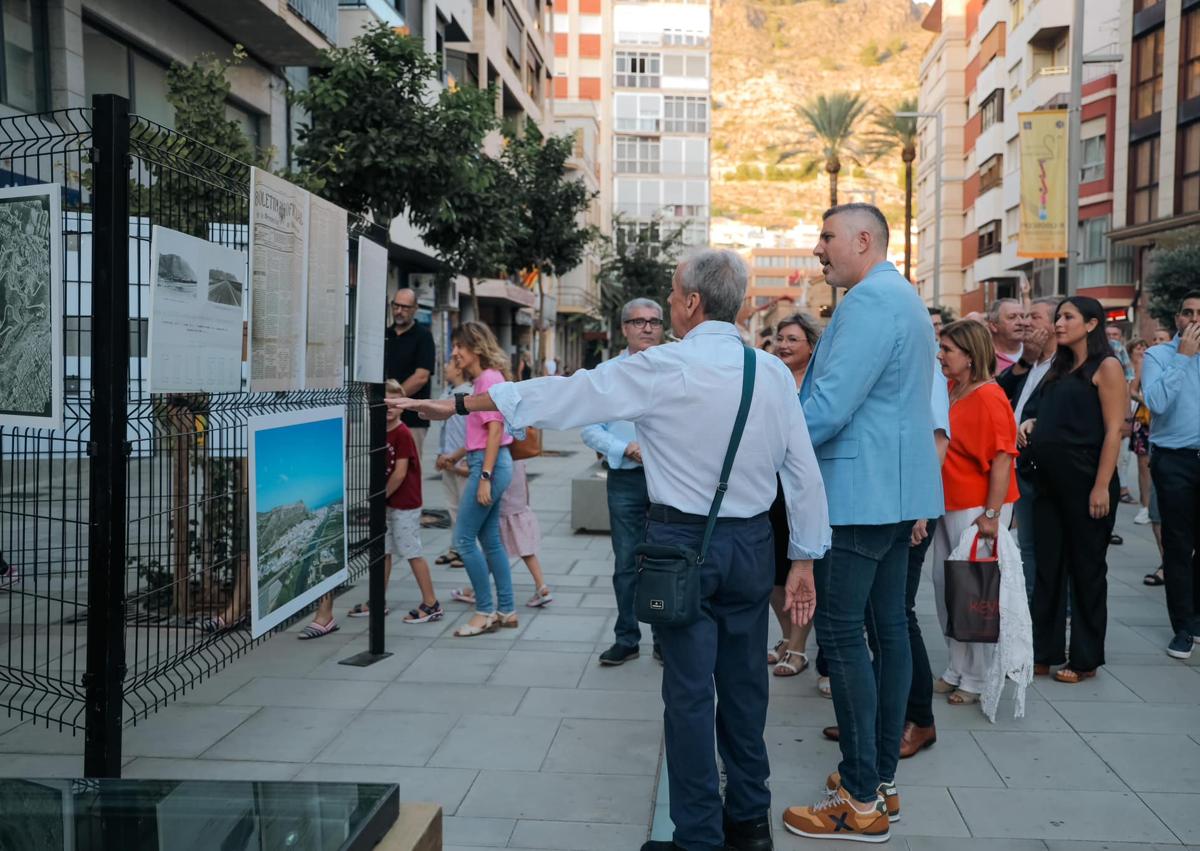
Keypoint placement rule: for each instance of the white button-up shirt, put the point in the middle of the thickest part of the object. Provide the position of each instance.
(684, 398)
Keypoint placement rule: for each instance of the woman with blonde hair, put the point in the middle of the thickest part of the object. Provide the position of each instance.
(977, 480)
(483, 362)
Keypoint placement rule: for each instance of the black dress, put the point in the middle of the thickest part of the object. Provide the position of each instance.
(1068, 542)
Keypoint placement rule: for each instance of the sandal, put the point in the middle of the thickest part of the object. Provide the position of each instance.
(424, 613)
(1127, 498)
(541, 597)
(775, 654)
(1041, 670)
(506, 620)
(317, 630)
(490, 624)
(463, 595)
(1154, 579)
(447, 557)
(961, 697)
(784, 668)
(360, 610)
(825, 687)
(1116, 540)
(1072, 677)
(942, 687)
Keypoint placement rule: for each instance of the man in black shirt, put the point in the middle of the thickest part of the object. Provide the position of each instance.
(409, 356)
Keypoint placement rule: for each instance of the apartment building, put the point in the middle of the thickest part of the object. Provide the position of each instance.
(1156, 188)
(990, 62)
(784, 281)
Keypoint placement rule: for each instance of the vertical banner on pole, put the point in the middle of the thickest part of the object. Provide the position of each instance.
(1043, 185)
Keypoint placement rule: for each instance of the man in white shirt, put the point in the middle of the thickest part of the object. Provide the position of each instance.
(628, 500)
(683, 399)
(1008, 323)
(1020, 383)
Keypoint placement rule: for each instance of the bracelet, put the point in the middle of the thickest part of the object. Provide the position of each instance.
(460, 404)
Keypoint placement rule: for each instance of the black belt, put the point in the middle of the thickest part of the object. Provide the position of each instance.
(667, 514)
(627, 470)
(1173, 451)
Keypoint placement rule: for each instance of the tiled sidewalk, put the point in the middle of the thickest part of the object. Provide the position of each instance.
(527, 743)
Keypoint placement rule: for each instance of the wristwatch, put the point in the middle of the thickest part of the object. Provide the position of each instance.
(485, 475)
(460, 404)
(991, 514)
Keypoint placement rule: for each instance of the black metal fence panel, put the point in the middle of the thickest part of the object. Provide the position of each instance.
(148, 490)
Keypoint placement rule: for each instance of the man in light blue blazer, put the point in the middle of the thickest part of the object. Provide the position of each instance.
(866, 399)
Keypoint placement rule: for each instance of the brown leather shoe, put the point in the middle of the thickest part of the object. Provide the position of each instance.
(916, 739)
(832, 733)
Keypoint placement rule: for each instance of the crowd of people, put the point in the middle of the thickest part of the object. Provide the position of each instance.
(868, 449)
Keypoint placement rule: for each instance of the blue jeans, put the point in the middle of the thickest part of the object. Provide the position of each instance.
(720, 655)
(863, 579)
(480, 524)
(1025, 521)
(627, 506)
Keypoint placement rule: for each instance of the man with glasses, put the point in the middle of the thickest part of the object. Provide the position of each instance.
(409, 355)
(628, 501)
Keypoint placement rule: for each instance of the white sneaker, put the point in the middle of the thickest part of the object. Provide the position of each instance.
(1143, 517)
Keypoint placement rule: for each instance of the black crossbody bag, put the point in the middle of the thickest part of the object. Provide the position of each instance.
(668, 591)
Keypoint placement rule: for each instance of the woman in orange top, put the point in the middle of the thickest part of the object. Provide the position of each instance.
(978, 480)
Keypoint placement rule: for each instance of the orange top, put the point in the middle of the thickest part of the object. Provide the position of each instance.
(981, 426)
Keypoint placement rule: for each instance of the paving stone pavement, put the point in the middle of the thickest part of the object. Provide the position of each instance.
(528, 744)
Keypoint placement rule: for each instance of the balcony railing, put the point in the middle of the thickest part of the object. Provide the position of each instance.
(322, 14)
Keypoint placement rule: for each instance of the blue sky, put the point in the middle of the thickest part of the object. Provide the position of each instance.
(299, 462)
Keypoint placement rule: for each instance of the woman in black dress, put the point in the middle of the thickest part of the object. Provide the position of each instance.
(1075, 438)
(795, 338)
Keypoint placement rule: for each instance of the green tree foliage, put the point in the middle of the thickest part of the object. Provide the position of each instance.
(199, 92)
(893, 132)
(548, 234)
(378, 141)
(1176, 271)
(832, 126)
(638, 262)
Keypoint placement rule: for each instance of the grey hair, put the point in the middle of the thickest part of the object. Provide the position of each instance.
(878, 220)
(993, 313)
(720, 277)
(1050, 300)
(637, 303)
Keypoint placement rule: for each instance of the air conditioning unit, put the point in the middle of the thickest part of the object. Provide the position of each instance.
(446, 294)
(422, 284)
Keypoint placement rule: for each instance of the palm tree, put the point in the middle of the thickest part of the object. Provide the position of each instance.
(832, 122)
(893, 131)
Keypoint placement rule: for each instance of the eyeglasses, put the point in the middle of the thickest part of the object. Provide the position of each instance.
(642, 324)
(398, 306)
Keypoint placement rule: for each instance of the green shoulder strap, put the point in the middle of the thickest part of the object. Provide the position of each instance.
(739, 425)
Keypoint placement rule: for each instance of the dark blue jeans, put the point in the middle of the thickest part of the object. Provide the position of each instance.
(1025, 521)
(719, 655)
(1176, 475)
(862, 580)
(627, 505)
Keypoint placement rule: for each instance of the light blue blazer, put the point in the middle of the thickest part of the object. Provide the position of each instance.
(866, 398)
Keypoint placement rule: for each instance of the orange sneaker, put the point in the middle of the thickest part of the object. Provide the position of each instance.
(888, 790)
(835, 817)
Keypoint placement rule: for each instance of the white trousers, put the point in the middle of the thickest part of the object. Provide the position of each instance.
(969, 661)
(452, 484)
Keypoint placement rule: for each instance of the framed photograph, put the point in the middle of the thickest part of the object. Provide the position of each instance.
(31, 306)
(297, 511)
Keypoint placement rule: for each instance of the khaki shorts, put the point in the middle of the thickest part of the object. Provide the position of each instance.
(403, 538)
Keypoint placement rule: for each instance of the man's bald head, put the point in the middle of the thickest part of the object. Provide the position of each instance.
(854, 237)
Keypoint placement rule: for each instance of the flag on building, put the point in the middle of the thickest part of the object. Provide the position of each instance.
(1044, 166)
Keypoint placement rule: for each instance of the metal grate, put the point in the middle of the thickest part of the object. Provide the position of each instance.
(175, 465)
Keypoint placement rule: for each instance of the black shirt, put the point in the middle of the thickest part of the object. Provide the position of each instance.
(1069, 410)
(404, 354)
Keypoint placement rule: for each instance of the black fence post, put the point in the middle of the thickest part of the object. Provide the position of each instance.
(377, 479)
(108, 441)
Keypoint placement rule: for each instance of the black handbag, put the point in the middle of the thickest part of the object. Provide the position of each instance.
(668, 590)
(972, 597)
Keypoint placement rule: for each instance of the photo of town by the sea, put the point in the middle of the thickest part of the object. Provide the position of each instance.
(30, 323)
(297, 500)
(176, 274)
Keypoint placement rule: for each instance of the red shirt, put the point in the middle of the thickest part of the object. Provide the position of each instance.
(400, 444)
(981, 426)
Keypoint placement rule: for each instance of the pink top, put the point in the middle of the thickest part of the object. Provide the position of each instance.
(477, 421)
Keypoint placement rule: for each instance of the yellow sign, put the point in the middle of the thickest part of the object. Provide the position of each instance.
(1043, 184)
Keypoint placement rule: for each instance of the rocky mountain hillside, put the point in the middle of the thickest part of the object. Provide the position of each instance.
(771, 55)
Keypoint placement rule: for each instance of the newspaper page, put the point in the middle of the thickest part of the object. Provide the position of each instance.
(278, 278)
(197, 303)
(31, 306)
(325, 349)
(370, 311)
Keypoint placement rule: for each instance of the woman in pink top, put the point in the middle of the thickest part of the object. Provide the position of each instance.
(483, 362)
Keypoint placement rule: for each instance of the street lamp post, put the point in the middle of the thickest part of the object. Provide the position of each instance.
(937, 203)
